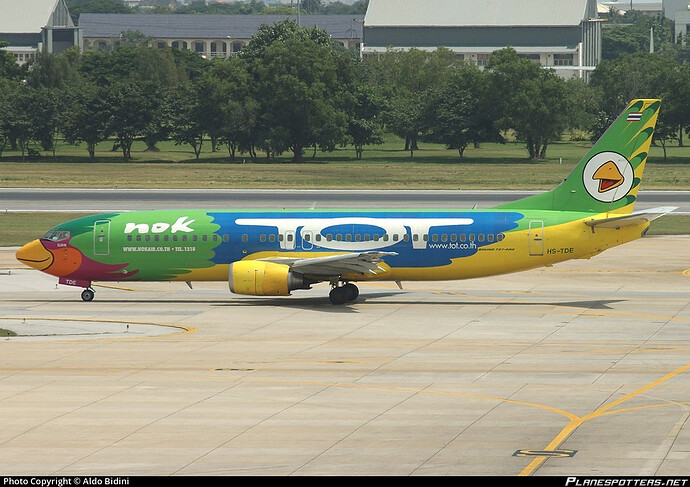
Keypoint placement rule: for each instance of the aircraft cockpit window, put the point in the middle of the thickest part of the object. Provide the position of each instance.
(57, 235)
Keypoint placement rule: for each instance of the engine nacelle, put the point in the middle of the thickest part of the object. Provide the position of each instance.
(258, 278)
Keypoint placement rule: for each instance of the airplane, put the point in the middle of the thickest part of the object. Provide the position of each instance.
(273, 253)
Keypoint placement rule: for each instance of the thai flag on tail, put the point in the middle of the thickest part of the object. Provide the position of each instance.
(634, 116)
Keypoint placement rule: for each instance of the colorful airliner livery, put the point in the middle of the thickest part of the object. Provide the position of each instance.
(272, 253)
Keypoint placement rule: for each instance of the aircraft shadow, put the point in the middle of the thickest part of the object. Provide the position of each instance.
(321, 303)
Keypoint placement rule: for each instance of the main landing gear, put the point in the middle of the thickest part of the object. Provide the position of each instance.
(343, 293)
(88, 294)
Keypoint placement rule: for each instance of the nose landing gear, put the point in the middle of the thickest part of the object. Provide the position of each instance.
(340, 294)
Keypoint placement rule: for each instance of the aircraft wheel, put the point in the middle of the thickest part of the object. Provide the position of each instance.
(87, 295)
(337, 295)
(351, 291)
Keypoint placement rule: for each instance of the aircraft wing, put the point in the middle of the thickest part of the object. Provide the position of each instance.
(632, 218)
(335, 265)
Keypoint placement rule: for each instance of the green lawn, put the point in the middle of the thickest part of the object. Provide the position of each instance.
(493, 166)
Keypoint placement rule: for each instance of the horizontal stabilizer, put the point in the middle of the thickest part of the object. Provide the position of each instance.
(632, 218)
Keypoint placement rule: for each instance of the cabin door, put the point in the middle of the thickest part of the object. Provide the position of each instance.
(101, 237)
(536, 237)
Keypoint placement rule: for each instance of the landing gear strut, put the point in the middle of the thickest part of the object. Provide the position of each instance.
(88, 294)
(342, 294)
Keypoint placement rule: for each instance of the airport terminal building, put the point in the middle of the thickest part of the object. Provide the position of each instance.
(212, 36)
(562, 34)
(31, 26)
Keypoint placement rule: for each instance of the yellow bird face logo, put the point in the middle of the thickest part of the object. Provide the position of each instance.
(609, 177)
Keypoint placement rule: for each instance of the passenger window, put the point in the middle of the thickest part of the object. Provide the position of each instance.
(271, 238)
(281, 237)
(480, 237)
(395, 237)
(226, 237)
(262, 237)
(500, 237)
(453, 237)
(471, 237)
(463, 237)
(444, 238)
(290, 237)
(245, 237)
(434, 238)
(490, 237)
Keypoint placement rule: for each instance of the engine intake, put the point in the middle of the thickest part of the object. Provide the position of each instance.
(256, 278)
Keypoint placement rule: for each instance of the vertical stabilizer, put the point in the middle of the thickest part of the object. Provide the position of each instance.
(608, 178)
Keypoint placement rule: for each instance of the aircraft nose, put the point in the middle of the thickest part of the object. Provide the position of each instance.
(35, 255)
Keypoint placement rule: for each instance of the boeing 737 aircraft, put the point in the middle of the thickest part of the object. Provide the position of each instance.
(272, 253)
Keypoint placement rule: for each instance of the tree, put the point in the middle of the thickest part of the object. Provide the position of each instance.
(133, 106)
(238, 124)
(364, 126)
(50, 70)
(458, 112)
(17, 120)
(5, 115)
(299, 80)
(405, 78)
(185, 116)
(268, 34)
(88, 119)
(77, 7)
(312, 6)
(533, 100)
(639, 75)
(9, 69)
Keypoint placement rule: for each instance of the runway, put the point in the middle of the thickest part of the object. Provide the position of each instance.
(101, 200)
(580, 369)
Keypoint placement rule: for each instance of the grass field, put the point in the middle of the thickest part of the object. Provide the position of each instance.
(493, 166)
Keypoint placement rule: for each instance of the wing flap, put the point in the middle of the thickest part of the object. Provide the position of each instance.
(335, 265)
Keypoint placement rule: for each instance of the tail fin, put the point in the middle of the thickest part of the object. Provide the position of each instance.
(608, 178)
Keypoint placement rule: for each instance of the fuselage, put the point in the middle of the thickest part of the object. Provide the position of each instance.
(200, 245)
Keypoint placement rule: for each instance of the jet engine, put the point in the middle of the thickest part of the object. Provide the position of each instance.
(258, 278)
